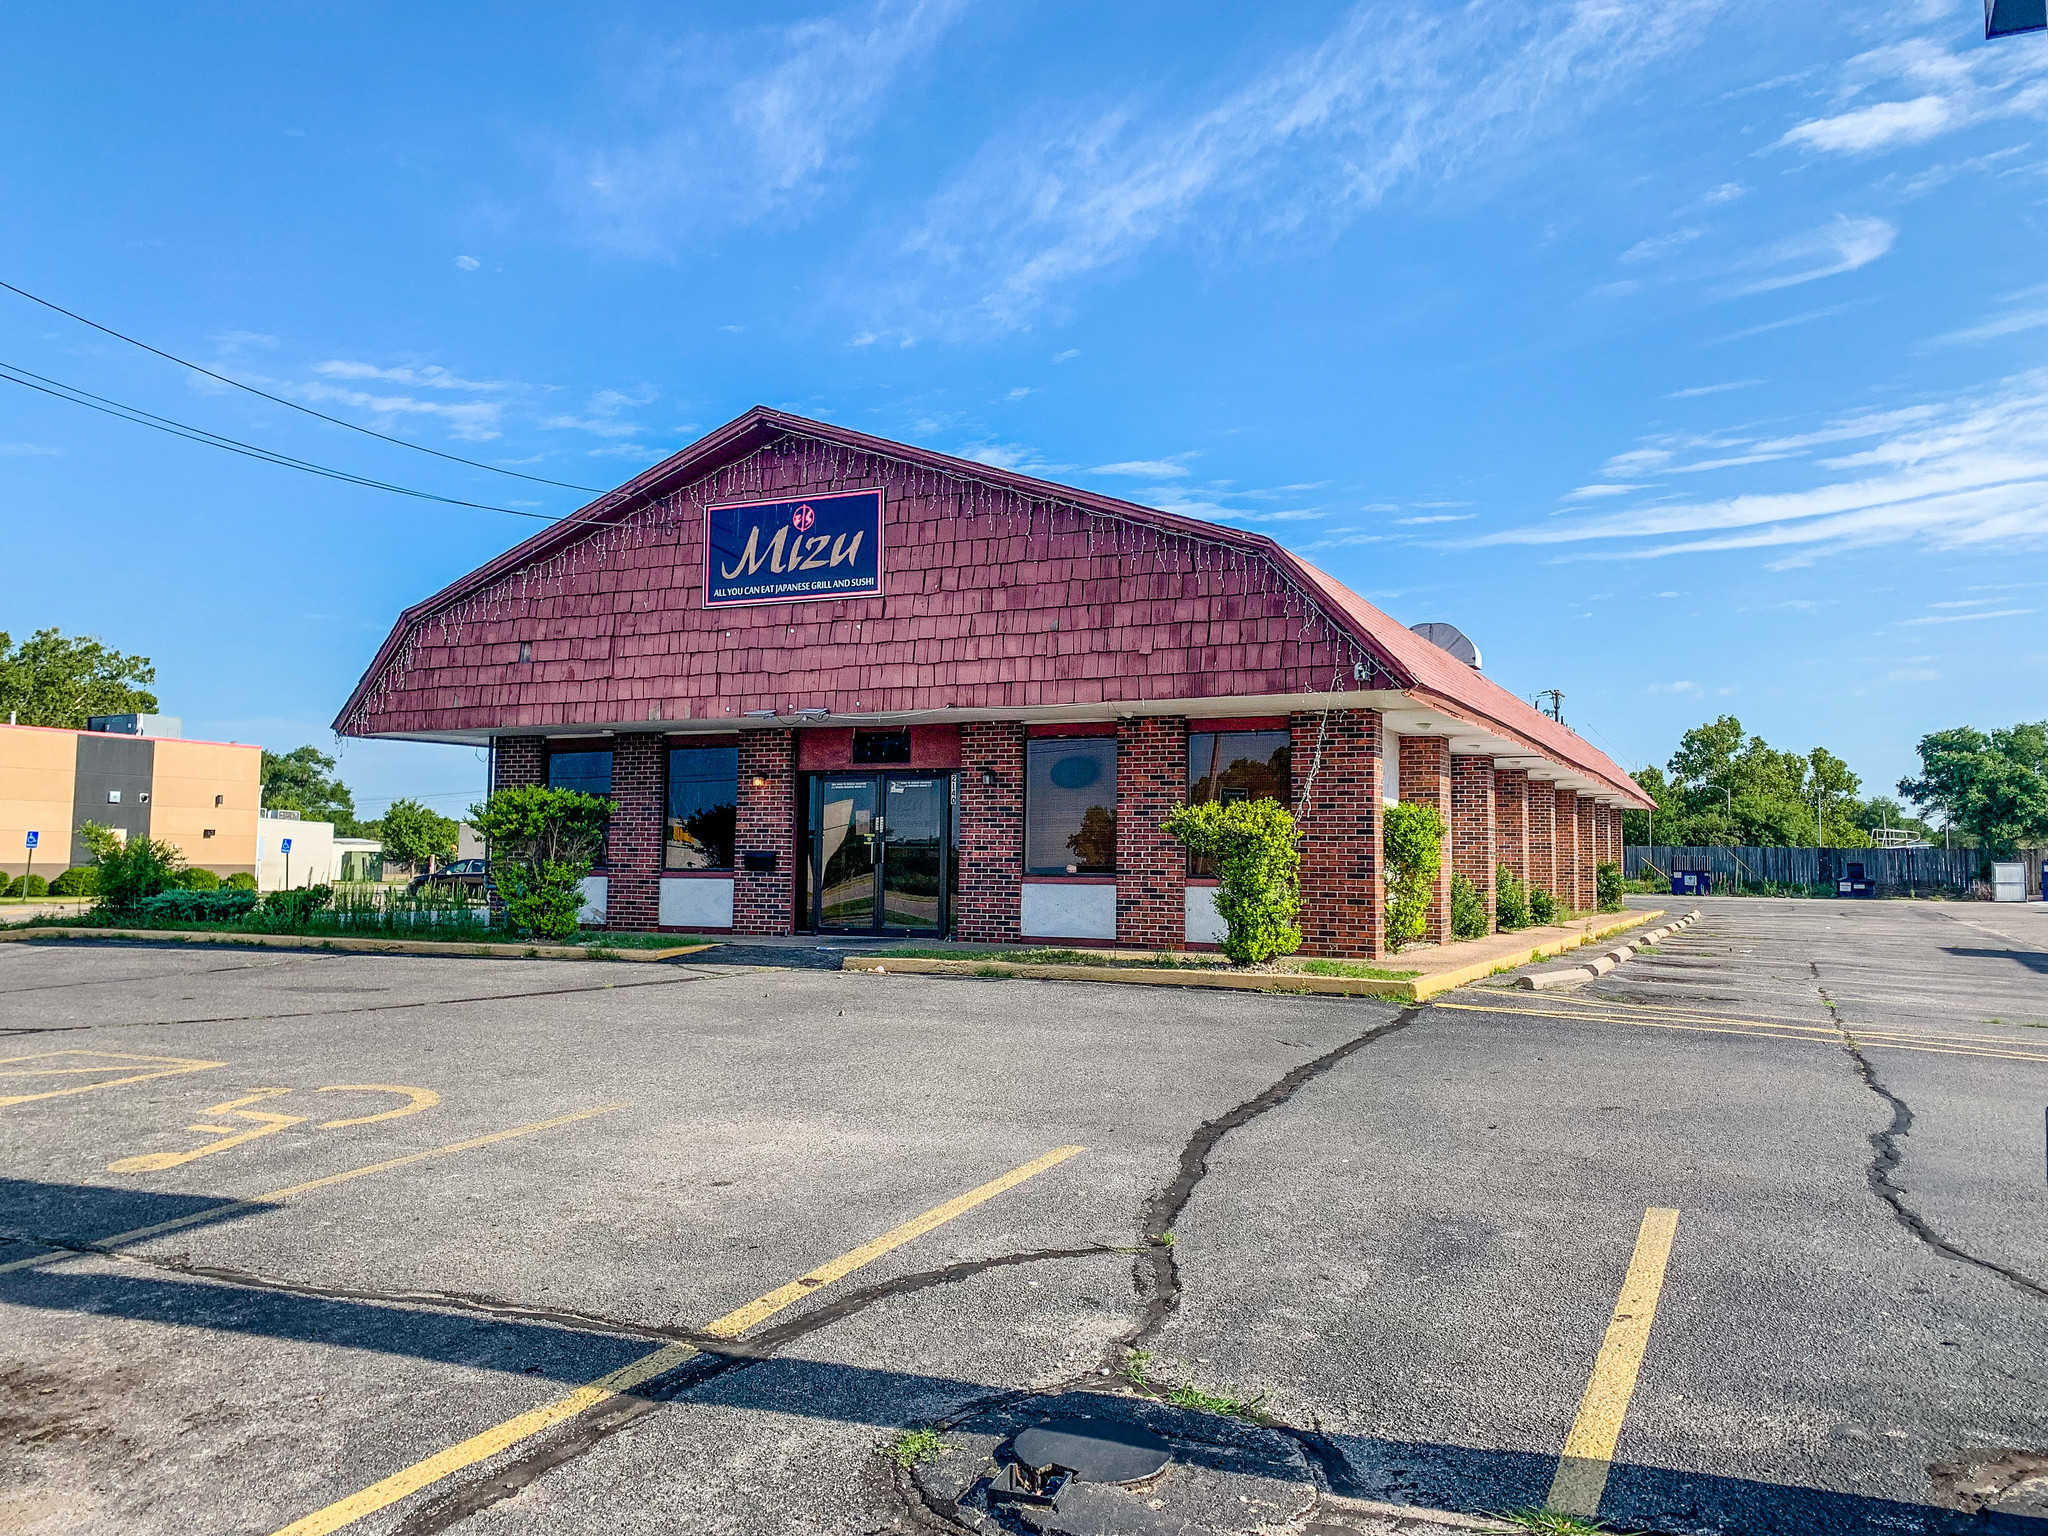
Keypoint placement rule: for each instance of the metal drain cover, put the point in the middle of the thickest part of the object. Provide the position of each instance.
(1094, 1450)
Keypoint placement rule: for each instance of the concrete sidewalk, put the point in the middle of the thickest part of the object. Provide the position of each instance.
(1432, 970)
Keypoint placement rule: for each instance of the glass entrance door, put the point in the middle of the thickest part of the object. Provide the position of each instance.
(878, 855)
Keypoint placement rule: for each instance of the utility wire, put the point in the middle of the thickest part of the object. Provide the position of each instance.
(453, 458)
(61, 391)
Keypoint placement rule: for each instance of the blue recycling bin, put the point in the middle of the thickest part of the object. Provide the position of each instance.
(1692, 882)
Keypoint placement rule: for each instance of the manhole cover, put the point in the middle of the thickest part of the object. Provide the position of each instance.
(1094, 1450)
(1102, 1464)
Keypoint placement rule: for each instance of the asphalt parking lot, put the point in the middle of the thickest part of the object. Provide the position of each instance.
(1752, 1227)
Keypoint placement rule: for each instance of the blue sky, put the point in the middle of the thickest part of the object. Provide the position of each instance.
(1691, 356)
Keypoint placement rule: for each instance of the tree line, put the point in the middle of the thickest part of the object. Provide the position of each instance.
(1726, 788)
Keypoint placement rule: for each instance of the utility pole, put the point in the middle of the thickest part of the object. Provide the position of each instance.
(1556, 708)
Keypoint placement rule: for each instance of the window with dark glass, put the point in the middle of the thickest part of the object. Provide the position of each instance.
(1070, 806)
(588, 772)
(881, 746)
(1228, 766)
(703, 807)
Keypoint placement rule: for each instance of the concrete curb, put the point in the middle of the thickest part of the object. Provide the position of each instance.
(1602, 964)
(355, 946)
(1413, 990)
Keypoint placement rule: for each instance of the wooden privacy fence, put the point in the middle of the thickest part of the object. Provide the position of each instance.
(1892, 869)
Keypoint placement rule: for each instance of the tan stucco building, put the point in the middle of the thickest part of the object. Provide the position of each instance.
(199, 796)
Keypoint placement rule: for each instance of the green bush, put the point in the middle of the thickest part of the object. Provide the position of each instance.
(240, 880)
(1468, 910)
(82, 881)
(197, 880)
(284, 911)
(215, 906)
(1257, 856)
(130, 871)
(1413, 837)
(1544, 908)
(28, 885)
(1510, 900)
(1607, 887)
(543, 842)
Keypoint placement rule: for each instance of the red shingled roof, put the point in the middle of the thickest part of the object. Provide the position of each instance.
(1419, 666)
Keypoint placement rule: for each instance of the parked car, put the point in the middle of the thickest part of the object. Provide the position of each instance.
(471, 876)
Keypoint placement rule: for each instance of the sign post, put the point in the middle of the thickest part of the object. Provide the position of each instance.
(29, 874)
(285, 847)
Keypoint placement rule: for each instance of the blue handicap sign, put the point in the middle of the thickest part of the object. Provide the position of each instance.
(285, 846)
(34, 838)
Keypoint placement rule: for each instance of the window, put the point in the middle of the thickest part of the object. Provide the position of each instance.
(881, 746)
(1070, 806)
(1228, 766)
(703, 807)
(590, 772)
(526, 650)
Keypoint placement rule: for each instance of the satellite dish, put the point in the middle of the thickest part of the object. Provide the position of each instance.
(1448, 637)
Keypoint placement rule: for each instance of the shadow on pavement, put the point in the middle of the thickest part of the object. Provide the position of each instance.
(2032, 959)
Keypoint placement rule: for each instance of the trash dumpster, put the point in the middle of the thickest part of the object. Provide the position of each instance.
(1691, 882)
(1853, 884)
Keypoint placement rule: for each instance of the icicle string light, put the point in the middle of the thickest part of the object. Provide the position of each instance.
(1031, 527)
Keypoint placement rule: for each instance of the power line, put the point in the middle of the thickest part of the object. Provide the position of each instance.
(453, 458)
(141, 418)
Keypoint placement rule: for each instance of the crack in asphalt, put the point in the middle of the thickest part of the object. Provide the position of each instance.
(1886, 1155)
(209, 970)
(1155, 1279)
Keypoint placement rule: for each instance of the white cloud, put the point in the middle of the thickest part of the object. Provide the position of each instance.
(1067, 356)
(1143, 469)
(473, 420)
(603, 417)
(467, 263)
(430, 376)
(1878, 126)
(1011, 456)
(1441, 517)
(29, 451)
(740, 129)
(1660, 246)
(1682, 686)
(1842, 245)
(1969, 473)
(1020, 392)
(1966, 618)
(1637, 461)
(1912, 675)
(1590, 492)
(1727, 192)
(1711, 389)
(1395, 93)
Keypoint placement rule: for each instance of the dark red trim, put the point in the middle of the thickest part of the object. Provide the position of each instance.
(1255, 723)
(1077, 728)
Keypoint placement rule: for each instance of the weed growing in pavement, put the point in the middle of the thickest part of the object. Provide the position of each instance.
(1137, 1367)
(914, 1446)
(992, 972)
(1548, 1522)
(1246, 1408)
(1647, 949)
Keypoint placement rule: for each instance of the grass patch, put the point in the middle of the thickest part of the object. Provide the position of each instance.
(993, 972)
(606, 940)
(2018, 1023)
(1354, 968)
(1138, 1365)
(1548, 1522)
(914, 1446)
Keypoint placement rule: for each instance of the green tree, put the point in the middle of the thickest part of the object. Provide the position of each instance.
(130, 870)
(1727, 788)
(1257, 855)
(412, 834)
(1994, 788)
(302, 780)
(543, 842)
(51, 680)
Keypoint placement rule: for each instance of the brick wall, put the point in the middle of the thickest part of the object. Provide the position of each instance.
(633, 840)
(1426, 780)
(1589, 816)
(1337, 804)
(1566, 848)
(1151, 868)
(1511, 820)
(518, 761)
(989, 904)
(1472, 825)
(1542, 805)
(764, 901)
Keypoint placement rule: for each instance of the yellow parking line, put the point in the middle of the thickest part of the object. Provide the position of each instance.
(277, 1196)
(481, 1447)
(167, 1066)
(1589, 1449)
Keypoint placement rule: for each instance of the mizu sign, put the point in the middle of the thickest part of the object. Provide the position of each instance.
(793, 551)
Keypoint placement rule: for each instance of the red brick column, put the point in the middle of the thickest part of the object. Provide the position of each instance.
(1589, 815)
(518, 762)
(1336, 771)
(1426, 780)
(1472, 825)
(1542, 835)
(989, 904)
(1151, 868)
(764, 900)
(1566, 847)
(633, 840)
(1617, 835)
(1511, 821)
(1603, 835)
